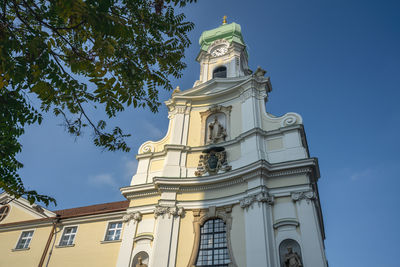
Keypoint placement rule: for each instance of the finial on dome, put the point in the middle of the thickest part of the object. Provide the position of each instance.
(224, 20)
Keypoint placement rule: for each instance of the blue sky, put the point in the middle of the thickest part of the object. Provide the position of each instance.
(334, 62)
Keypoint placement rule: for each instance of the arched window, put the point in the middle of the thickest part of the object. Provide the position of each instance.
(219, 72)
(4, 212)
(213, 250)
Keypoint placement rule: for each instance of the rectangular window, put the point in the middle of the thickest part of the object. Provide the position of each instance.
(113, 231)
(24, 240)
(68, 236)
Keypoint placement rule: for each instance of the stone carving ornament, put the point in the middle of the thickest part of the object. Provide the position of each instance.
(212, 161)
(292, 259)
(290, 253)
(140, 263)
(246, 202)
(220, 129)
(162, 210)
(309, 195)
(137, 216)
(216, 132)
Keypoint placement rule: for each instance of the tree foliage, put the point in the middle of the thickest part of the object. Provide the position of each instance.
(125, 50)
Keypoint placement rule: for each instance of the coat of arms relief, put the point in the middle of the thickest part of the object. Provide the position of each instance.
(212, 161)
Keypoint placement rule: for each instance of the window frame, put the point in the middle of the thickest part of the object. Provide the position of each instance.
(108, 228)
(214, 231)
(20, 238)
(5, 214)
(200, 217)
(63, 234)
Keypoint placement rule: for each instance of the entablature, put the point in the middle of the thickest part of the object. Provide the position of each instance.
(259, 169)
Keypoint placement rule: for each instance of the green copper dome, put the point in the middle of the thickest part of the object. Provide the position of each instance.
(230, 32)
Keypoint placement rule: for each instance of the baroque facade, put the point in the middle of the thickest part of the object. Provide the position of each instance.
(229, 185)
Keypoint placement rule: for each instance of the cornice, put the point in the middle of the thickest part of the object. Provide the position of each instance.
(238, 85)
(95, 217)
(259, 169)
(27, 224)
(226, 144)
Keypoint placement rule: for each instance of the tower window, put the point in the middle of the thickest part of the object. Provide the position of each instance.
(213, 249)
(219, 72)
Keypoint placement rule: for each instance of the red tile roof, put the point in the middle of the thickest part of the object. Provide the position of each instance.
(94, 209)
(80, 211)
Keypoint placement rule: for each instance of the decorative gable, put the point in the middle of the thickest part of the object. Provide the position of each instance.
(21, 210)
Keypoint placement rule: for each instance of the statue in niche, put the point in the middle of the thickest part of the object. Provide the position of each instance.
(216, 132)
(292, 259)
(140, 263)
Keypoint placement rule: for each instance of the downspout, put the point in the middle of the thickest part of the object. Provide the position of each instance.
(46, 248)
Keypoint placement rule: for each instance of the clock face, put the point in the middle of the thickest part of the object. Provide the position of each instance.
(219, 51)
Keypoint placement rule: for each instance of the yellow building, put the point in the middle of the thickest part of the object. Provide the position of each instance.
(33, 236)
(229, 185)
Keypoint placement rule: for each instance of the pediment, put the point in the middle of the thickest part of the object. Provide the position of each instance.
(21, 210)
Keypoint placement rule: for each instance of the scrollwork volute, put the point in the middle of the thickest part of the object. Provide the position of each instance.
(173, 211)
(308, 196)
(136, 216)
(289, 120)
(262, 197)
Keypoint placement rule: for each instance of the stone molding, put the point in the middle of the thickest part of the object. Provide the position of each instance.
(200, 217)
(255, 131)
(173, 211)
(259, 169)
(146, 236)
(261, 197)
(307, 195)
(291, 222)
(136, 216)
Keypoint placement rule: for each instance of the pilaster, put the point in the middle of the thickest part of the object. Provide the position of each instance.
(131, 220)
(260, 245)
(313, 248)
(166, 235)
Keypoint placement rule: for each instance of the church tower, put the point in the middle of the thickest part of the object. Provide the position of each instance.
(229, 184)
